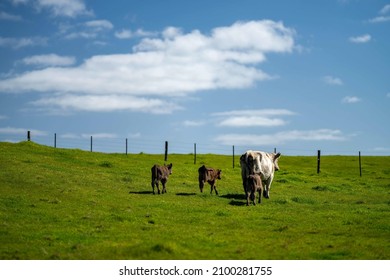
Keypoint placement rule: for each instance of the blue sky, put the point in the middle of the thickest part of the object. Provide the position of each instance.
(293, 75)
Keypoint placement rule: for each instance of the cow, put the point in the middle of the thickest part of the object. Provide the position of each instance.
(160, 174)
(253, 185)
(209, 175)
(262, 163)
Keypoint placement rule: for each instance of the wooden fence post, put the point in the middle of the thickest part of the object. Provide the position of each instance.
(233, 156)
(166, 151)
(360, 164)
(318, 161)
(55, 140)
(28, 135)
(194, 153)
(91, 143)
(126, 146)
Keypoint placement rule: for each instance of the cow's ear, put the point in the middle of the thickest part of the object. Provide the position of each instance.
(277, 155)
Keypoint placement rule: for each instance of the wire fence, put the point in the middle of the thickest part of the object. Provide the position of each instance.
(134, 145)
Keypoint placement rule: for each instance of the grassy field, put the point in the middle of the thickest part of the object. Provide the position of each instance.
(72, 204)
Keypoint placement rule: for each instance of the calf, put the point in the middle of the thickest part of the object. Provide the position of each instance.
(160, 174)
(209, 175)
(253, 185)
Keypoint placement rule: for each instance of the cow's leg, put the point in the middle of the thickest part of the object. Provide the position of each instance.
(267, 186)
(253, 197)
(158, 187)
(163, 182)
(259, 195)
(248, 194)
(215, 188)
(153, 187)
(201, 185)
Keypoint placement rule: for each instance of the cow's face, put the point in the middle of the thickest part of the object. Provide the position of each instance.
(252, 163)
(276, 158)
(219, 174)
(170, 168)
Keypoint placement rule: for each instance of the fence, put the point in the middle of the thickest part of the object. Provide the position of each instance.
(116, 145)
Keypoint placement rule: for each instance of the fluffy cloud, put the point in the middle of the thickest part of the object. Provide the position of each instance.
(64, 8)
(383, 15)
(333, 80)
(360, 39)
(175, 64)
(21, 131)
(128, 34)
(251, 118)
(351, 99)
(280, 137)
(17, 43)
(49, 60)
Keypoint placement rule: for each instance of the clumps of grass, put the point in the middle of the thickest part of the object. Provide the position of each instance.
(106, 164)
(325, 188)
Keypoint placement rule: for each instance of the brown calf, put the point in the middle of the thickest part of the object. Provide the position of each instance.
(209, 175)
(160, 174)
(253, 185)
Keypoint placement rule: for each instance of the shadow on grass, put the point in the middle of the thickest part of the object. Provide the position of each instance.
(141, 192)
(185, 194)
(236, 199)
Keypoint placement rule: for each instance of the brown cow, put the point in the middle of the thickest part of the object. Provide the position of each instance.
(253, 185)
(160, 173)
(209, 175)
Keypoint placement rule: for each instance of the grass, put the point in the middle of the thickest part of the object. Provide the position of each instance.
(72, 204)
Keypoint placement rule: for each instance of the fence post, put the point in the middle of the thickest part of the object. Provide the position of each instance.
(91, 143)
(166, 151)
(318, 161)
(360, 164)
(233, 156)
(126, 146)
(194, 153)
(28, 135)
(275, 150)
(55, 140)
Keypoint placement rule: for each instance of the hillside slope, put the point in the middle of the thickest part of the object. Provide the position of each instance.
(72, 204)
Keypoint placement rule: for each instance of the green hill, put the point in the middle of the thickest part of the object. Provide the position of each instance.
(72, 204)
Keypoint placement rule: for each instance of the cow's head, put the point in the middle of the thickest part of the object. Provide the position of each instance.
(275, 159)
(253, 163)
(219, 171)
(169, 168)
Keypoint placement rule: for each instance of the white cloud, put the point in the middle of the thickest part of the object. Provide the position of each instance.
(175, 65)
(11, 17)
(383, 17)
(66, 8)
(99, 24)
(251, 118)
(21, 131)
(49, 60)
(87, 30)
(360, 39)
(128, 34)
(351, 99)
(104, 103)
(281, 137)
(17, 43)
(2, 117)
(380, 19)
(385, 9)
(100, 135)
(333, 80)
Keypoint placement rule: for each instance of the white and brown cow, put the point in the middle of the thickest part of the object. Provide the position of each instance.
(262, 163)
(160, 174)
(209, 175)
